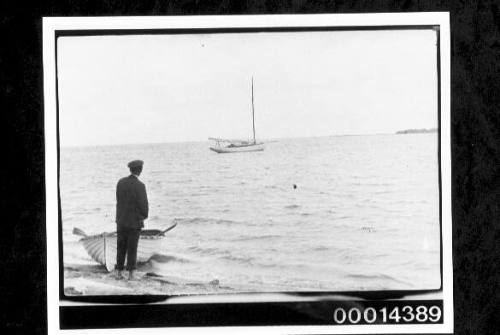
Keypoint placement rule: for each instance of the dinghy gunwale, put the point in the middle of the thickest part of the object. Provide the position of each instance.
(146, 233)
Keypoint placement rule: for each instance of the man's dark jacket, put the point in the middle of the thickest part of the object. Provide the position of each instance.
(131, 203)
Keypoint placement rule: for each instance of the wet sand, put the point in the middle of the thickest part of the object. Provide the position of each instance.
(96, 280)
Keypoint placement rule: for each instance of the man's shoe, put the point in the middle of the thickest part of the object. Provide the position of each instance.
(132, 275)
(118, 275)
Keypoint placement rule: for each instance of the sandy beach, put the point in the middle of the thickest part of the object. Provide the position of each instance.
(96, 280)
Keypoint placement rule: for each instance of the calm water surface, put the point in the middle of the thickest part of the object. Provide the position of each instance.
(364, 215)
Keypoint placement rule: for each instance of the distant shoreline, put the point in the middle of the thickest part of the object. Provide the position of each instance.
(416, 131)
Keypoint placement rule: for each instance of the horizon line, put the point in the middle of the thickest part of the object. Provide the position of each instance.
(207, 140)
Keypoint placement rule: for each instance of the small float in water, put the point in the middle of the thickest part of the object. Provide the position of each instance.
(102, 247)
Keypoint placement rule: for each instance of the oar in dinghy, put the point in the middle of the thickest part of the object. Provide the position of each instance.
(102, 247)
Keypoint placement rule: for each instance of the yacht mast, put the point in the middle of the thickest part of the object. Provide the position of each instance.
(253, 115)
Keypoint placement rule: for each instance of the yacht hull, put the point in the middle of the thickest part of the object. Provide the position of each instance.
(235, 149)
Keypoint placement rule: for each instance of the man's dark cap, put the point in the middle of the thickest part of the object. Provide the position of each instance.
(135, 164)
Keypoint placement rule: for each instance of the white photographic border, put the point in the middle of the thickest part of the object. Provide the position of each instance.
(53, 24)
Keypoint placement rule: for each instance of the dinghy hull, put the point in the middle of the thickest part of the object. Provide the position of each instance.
(102, 247)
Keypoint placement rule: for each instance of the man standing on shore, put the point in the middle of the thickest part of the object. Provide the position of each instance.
(131, 211)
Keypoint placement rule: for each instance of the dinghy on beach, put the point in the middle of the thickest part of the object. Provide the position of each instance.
(102, 247)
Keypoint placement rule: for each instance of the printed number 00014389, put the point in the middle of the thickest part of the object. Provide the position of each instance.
(408, 314)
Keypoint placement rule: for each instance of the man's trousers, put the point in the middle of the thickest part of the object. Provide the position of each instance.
(127, 241)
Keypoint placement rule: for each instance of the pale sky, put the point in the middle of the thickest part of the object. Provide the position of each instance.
(173, 88)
